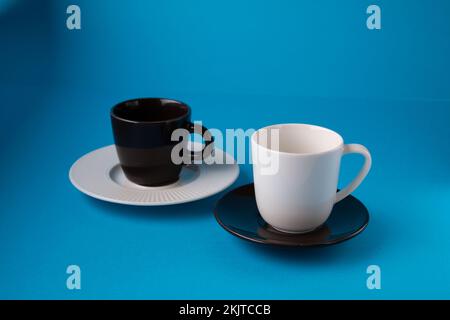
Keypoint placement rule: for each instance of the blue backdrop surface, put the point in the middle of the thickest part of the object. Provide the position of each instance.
(239, 64)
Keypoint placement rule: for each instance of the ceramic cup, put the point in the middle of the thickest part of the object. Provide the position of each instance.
(296, 170)
(143, 130)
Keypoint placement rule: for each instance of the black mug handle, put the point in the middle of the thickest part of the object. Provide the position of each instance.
(207, 137)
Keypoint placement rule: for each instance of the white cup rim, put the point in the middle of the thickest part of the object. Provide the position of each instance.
(339, 145)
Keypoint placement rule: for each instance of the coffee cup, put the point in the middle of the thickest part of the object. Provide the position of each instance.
(142, 130)
(296, 171)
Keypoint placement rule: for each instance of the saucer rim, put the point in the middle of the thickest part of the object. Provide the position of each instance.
(146, 204)
(279, 243)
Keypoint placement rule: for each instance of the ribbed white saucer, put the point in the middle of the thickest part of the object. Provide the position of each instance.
(99, 175)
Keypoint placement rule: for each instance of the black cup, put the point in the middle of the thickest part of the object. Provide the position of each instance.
(143, 130)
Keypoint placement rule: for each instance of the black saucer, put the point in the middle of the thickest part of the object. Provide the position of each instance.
(237, 213)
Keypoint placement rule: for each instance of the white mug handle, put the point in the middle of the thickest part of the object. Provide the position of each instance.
(355, 148)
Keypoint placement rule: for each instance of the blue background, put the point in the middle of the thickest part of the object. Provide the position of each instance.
(239, 64)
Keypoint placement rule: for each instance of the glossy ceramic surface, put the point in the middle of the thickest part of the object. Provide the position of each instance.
(142, 130)
(237, 213)
(296, 169)
(99, 175)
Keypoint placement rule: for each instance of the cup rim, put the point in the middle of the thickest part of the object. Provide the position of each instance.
(298, 154)
(115, 116)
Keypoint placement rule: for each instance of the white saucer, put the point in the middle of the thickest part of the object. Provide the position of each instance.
(99, 175)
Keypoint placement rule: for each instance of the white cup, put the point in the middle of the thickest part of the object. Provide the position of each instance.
(296, 171)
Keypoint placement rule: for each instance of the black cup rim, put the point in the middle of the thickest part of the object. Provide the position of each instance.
(113, 115)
